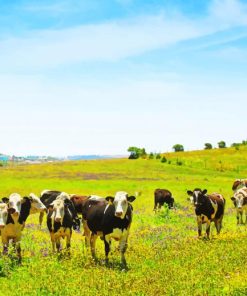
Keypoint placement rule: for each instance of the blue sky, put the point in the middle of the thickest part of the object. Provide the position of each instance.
(95, 77)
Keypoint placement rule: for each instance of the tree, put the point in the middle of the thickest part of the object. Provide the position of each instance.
(178, 147)
(222, 144)
(136, 152)
(208, 146)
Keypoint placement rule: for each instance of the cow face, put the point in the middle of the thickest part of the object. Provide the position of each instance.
(195, 195)
(121, 203)
(15, 204)
(3, 214)
(36, 204)
(57, 207)
(239, 200)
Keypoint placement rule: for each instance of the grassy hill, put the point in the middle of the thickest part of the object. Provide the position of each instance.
(164, 255)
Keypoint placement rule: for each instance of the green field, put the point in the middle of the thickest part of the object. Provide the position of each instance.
(164, 255)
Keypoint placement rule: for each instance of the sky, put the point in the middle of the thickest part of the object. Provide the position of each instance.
(96, 77)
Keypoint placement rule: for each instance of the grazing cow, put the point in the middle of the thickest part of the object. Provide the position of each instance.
(239, 183)
(162, 196)
(208, 208)
(240, 202)
(109, 221)
(60, 222)
(18, 211)
(48, 196)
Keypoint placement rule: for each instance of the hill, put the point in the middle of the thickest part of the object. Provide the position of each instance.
(165, 257)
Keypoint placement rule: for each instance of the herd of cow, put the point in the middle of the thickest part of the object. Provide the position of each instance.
(109, 218)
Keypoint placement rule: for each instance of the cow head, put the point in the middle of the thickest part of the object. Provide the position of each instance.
(58, 209)
(240, 198)
(14, 204)
(3, 214)
(196, 196)
(121, 203)
(36, 204)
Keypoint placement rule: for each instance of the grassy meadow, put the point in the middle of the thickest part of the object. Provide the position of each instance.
(164, 255)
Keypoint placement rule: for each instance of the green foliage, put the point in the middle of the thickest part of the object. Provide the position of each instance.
(136, 152)
(163, 159)
(151, 155)
(158, 156)
(208, 146)
(222, 144)
(178, 147)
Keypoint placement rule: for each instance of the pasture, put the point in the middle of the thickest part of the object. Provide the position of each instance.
(164, 255)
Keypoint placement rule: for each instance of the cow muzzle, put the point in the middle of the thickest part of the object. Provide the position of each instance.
(58, 219)
(118, 214)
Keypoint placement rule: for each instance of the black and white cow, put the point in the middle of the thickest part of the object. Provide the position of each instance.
(48, 196)
(208, 208)
(240, 202)
(18, 210)
(111, 220)
(60, 222)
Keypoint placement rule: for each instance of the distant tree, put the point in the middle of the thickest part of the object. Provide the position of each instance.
(158, 156)
(151, 155)
(163, 159)
(178, 147)
(208, 146)
(222, 144)
(136, 152)
(244, 142)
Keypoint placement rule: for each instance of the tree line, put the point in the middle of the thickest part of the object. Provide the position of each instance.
(136, 152)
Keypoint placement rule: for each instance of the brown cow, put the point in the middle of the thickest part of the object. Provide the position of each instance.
(162, 196)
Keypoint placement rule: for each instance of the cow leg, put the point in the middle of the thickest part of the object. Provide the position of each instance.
(86, 233)
(199, 226)
(123, 247)
(41, 216)
(5, 245)
(68, 238)
(241, 218)
(107, 242)
(218, 225)
(53, 241)
(18, 251)
(208, 229)
(92, 244)
(155, 206)
(58, 244)
(237, 218)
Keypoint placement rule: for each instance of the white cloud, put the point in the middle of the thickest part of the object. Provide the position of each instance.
(114, 40)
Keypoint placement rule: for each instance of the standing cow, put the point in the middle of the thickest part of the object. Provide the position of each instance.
(60, 222)
(162, 196)
(208, 208)
(110, 220)
(240, 202)
(18, 210)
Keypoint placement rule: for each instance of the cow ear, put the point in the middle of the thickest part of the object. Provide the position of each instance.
(110, 198)
(24, 199)
(189, 192)
(5, 200)
(204, 191)
(131, 198)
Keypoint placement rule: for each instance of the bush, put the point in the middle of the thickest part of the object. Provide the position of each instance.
(163, 159)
